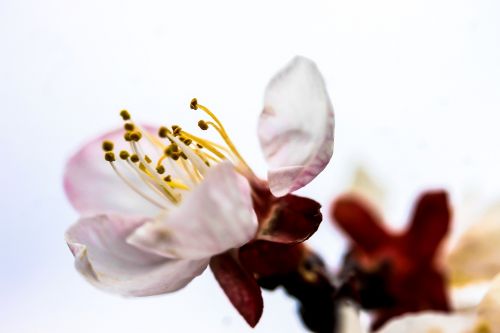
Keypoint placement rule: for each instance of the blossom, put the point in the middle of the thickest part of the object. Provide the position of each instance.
(481, 319)
(394, 273)
(166, 203)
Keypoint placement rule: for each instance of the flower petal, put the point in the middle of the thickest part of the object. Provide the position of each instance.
(481, 240)
(216, 216)
(427, 322)
(93, 187)
(104, 258)
(296, 126)
(489, 308)
(239, 286)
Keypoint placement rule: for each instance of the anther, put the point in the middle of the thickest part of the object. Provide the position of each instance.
(109, 156)
(146, 157)
(194, 104)
(167, 178)
(177, 130)
(199, 146)
(127, 137)
(163, 132)
(124, 154)
(129, 126)
(134, 158)
(203, 125)
(125, 115)
(187, 142)
(135, 136)
(160, 169)
(107, 145)
(183, 155)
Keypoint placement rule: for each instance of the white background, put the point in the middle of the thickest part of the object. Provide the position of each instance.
(415, 86)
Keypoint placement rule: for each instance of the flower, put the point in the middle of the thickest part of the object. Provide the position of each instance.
(482, 319)
(167, 203)
(394, 273)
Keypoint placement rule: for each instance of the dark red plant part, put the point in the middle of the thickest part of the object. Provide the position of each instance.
(239, 286)
(394, 273)
(312, 287)
(276, 251)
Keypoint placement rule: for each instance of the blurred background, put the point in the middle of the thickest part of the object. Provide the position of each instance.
(415, 86)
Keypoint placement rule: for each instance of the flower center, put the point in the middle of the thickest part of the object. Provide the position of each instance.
(183, 158)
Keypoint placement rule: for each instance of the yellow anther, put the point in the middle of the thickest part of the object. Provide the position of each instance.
(129, 126)
(187, 142)
(160, 169)
(134, 158)
(167, 178)
(135, 136)
(183, 155)
(127, 137)
(125, 115)
(163, 132)
(109, 156)
(146, 157)
(177, 130)
(124, 154)
(194, 104)
(203, 125)
(107, 145)
(199, 146)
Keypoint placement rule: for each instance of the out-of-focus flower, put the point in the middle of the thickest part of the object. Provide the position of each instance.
(165, 205)
(476, 256)
(483, 319)
(394, 273)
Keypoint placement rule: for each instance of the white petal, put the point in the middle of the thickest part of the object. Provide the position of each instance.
(216, 216)
(429, 322)
(93, 187)
(476, 256)
(104, 258)
(489, 309)
(296, 126)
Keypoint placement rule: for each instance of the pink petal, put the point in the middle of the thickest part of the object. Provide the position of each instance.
(92, 186)
(104, 258)
(216, 216)
(296, 126)
(240, 287)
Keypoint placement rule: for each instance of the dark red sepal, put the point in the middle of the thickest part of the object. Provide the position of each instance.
(265, 258)
(239, 285)
(288, 219)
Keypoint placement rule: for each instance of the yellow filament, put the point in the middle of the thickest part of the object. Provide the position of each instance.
(228, 141)
(135, 189)
(211, 146)
(177, 184)
(192, 175)
(151, 173)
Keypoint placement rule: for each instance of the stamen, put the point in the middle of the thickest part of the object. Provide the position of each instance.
(135, 136)
(124, 154)
(138, 152)
(163, 131)
(203, 125)
(221, 130)
(197, 162)
(125, 115)
(129, 126)
(109, 156)
(107, 145)
(134, 158)
(135, 189)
